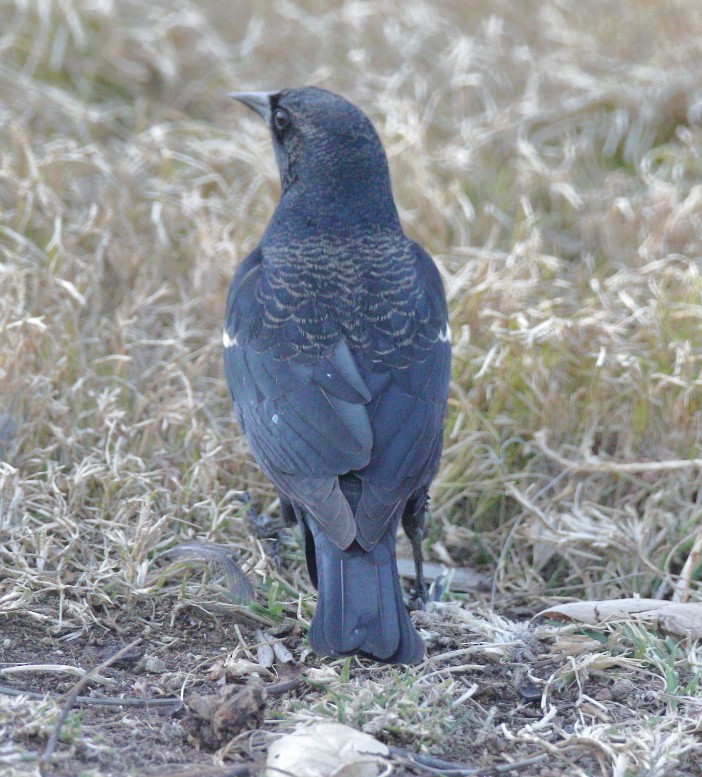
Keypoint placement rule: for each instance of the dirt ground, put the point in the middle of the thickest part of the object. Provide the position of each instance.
(180, 654)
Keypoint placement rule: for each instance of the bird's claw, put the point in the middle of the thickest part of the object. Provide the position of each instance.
(420, 596)
(417, 601)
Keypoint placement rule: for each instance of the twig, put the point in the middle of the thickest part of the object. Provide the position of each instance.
(524, 502)
(73, 695)
(264, 651)
(508, 542)
(102, 701)
(276, 689)
(63, 668)
(681, 592)
(451, 769)
(240, 770)
(595, 464)
(513, 767)
(282, 653)
(500, 562)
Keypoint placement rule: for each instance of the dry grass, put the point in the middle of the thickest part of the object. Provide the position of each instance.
(547, 153)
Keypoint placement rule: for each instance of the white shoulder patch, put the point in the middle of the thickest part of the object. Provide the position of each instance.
(227, 341)
(445, 336)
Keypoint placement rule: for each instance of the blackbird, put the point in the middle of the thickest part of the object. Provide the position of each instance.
(337, 357)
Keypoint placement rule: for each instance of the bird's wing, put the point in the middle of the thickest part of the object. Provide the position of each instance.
(406, 415)
(306, 423)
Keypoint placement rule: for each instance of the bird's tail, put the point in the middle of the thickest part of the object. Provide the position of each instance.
(359, 605)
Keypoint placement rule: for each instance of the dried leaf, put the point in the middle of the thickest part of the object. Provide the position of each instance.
(212, 721)
(684, 620)
(326, 749)
(462, 578)
(240, 667)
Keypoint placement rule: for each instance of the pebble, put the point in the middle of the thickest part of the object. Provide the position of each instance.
(154, 665)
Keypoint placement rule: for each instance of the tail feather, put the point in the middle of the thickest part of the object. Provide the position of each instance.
(360, 607)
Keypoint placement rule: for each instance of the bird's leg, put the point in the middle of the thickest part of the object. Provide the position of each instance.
(414, 522)
(268, 529)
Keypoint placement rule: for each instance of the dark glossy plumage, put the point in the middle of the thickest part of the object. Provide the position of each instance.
(337, 357)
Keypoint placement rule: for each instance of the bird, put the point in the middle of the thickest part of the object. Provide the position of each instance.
(337, 356)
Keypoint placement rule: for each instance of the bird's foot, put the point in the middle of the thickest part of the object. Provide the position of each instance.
(420, 596)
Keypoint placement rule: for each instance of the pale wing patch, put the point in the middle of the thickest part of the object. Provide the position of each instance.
(445, 336)
(227, 341)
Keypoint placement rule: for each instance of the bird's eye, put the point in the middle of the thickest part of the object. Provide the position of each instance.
(281, 119)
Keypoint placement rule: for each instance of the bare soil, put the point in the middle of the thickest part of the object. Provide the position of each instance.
(178, 647)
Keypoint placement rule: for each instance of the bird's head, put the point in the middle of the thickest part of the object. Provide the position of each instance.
(323, 143)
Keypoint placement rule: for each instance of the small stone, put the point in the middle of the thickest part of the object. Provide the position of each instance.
(622, 690)
(154, 665)
(112, 646)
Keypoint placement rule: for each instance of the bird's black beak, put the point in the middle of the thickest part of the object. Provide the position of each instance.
(257, 101)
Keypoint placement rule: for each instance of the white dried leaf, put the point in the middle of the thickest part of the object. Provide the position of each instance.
(264, 650)
(282, 653)
(326, 749)
(684, 620)
(240, 667)
(322, 674)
